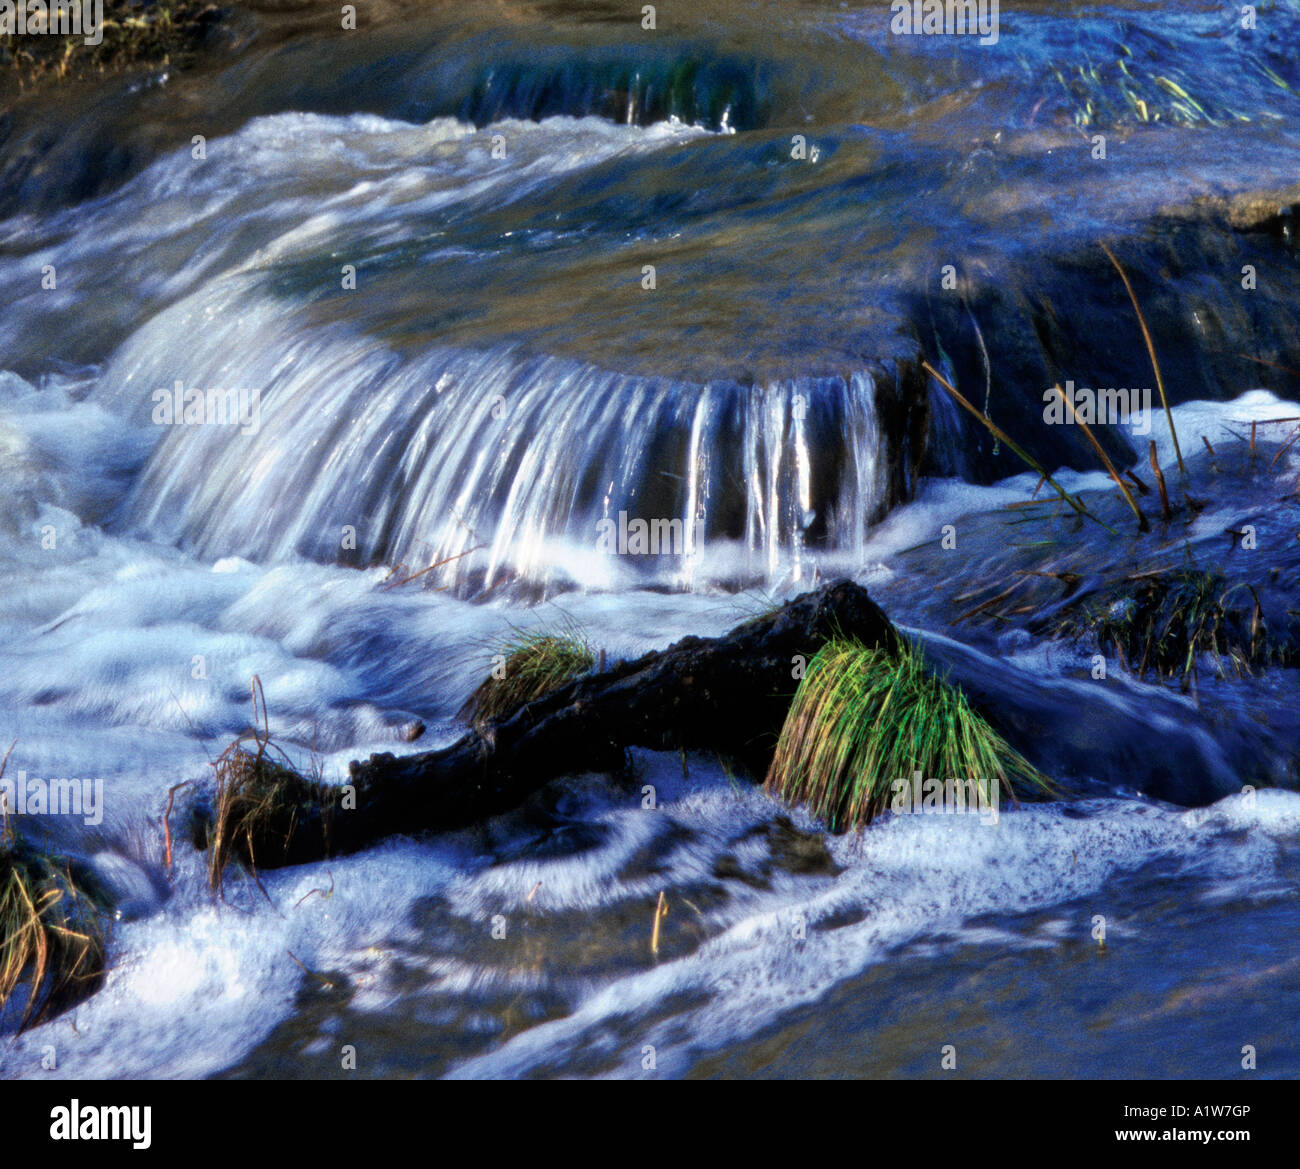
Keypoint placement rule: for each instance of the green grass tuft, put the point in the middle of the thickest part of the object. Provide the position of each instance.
(535, 664)
(864, 718)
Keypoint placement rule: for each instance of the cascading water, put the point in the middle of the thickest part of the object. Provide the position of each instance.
(495, 463)
(500, 467)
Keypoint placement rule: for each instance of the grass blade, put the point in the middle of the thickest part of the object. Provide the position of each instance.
(1151, 350)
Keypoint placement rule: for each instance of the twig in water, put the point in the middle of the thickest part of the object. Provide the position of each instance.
(324, 981)
(325, 894)
(167, 824)
(661, 911)
(1142, 487)
(1290, 443)
(1101, 454)
(1165, 513)
(1261, 361)
(436, 564)
(1151, 350)
(986, 604)
(1026, 458)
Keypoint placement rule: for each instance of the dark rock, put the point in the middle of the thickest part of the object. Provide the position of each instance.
(727, 694)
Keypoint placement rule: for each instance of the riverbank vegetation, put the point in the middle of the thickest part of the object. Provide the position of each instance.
(52, 937)
(136, 33)
(864, 718)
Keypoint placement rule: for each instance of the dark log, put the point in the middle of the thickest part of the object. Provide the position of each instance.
(726, 694)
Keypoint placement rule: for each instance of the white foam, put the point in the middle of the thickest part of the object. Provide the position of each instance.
(907, 878)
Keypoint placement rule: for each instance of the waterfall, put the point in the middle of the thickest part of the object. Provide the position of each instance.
(495, 465)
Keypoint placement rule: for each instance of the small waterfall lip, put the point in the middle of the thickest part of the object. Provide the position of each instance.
(497, 468)
(290, 188)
